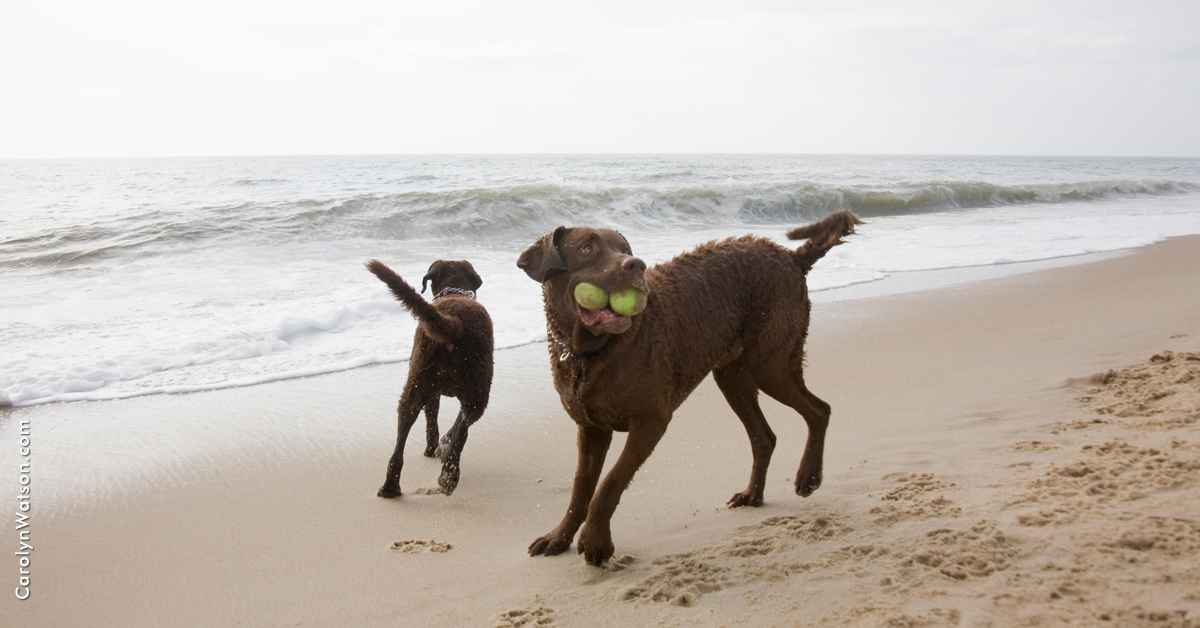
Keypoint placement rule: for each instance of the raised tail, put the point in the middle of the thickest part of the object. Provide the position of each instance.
(413, 301)
(822, 236)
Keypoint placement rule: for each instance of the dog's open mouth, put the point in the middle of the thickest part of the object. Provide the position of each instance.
(603, 321)
(591, 318)
(605, 313)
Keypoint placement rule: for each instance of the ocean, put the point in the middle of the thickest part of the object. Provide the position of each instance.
(124, 277)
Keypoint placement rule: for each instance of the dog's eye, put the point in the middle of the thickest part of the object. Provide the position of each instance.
(587, 248)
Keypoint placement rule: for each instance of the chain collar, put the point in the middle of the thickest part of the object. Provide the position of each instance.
(563, 353)
(466, 293)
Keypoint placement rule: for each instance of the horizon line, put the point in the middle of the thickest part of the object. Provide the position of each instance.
(583, 154)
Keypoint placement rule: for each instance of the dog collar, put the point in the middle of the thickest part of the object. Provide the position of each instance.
(466, 293)
(563, 353)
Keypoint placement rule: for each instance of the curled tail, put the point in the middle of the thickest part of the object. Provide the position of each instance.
(822, 236)
(412, 300)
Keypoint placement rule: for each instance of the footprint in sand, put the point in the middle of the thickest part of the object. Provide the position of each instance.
(539, 616)
(1162, 393)
(1170, 536)
(414, 546)
(911, 499)
(1113, 472)
(681, 579)
(1035, 445)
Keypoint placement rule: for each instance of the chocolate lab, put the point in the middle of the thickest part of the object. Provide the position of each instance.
(451, 356)
(737, 308)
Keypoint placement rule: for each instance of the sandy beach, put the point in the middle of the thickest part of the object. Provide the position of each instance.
(1021, 451)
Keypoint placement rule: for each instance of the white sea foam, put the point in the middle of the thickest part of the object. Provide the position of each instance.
(212, 274)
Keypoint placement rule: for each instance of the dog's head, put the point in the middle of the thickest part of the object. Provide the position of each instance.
(451, 274)
(564, 260)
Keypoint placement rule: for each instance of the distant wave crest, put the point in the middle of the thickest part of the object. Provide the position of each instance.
(528, 209)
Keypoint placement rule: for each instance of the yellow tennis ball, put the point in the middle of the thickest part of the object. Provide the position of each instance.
(590, 296)
(628, 302)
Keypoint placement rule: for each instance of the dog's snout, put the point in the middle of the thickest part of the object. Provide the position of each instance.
(633, 265)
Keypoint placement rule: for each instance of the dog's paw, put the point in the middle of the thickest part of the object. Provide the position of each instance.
(595, 545)
(389, 492)
(442, 447)
(448, 480)
(806, 485)
(551, 544)
(432, 451)
(745, 498)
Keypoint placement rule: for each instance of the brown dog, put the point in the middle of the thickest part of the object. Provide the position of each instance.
(737, 308)
(451, 356)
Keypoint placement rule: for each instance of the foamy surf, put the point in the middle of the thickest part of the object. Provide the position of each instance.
(132, 277)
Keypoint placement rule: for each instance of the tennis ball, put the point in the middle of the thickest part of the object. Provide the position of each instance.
(628, 302)
(590, 296)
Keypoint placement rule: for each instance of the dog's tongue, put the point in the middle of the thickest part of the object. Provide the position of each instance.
(592, 318)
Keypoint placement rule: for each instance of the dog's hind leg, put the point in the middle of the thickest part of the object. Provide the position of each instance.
(431, 425)
(406, 412)
(741, 392)
(450, 451)
(816, 414)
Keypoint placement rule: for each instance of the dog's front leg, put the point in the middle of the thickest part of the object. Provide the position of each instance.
(593, 448)
(595, 540)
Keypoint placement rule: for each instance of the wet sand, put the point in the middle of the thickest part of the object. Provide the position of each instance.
(983, 468)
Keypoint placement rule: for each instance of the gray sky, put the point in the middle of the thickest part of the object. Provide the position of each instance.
(249, 77)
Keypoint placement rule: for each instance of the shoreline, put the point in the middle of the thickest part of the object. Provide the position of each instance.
(258, 505)
(895, 283)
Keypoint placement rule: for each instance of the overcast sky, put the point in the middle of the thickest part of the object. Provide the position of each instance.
(248, 77)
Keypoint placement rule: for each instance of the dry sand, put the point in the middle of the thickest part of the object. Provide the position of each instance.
(1014, 452)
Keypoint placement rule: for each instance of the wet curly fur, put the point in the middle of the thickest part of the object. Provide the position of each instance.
(451, 356)
(737, 308)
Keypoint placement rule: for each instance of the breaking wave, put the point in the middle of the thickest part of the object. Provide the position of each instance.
(522, 210)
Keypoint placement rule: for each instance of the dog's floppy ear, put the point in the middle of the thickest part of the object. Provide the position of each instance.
(472, 276)
(542, 261)
(628, 249)
(434, 274)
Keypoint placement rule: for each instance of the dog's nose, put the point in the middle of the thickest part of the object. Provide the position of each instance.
(633, 265)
